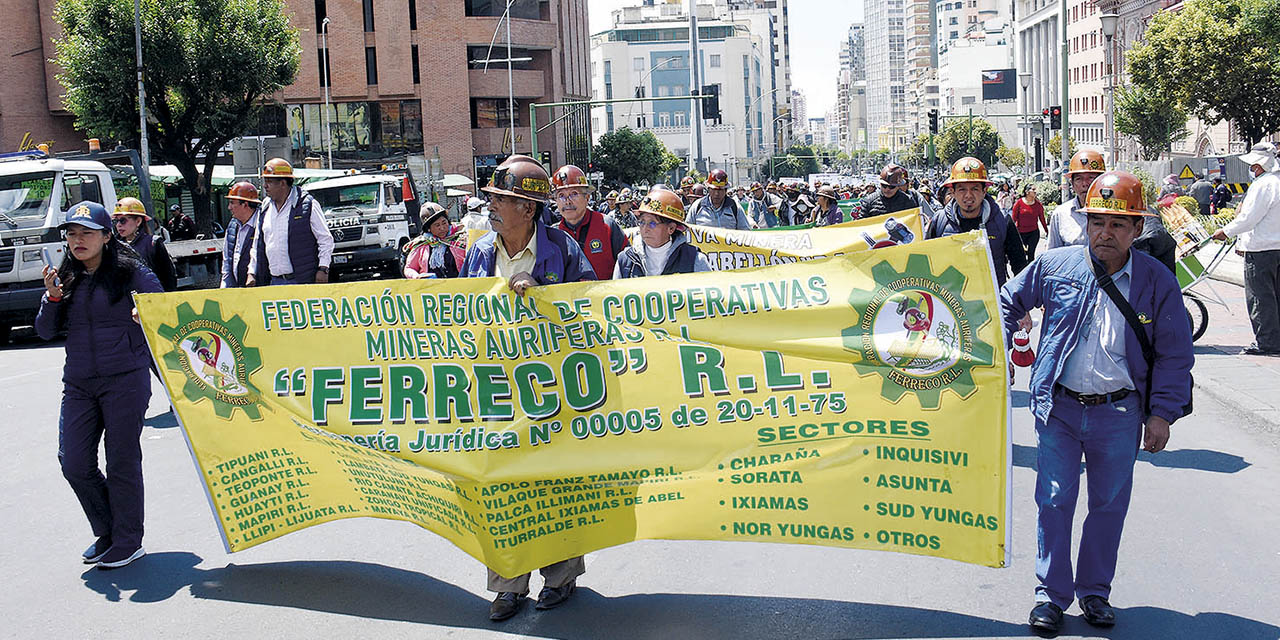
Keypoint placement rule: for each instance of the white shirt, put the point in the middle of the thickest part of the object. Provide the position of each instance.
(655, 259)
(1257, 220)
(1068, 225)
(1098, 361)
(275, 233)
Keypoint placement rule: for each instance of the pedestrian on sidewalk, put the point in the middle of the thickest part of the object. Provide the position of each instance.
(106, 387)
(1257, 223)
(1028, 216)
(1099, 389)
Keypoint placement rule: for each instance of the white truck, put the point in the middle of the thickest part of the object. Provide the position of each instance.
(367, 216)
(35, 191)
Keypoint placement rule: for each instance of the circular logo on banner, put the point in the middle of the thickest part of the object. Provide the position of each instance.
(916, 332)
(211, 353)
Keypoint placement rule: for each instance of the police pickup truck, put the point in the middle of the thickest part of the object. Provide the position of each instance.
(370, 225)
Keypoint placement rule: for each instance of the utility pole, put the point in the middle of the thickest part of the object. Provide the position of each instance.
(695, 66)
(1065, 132)
(144, 153)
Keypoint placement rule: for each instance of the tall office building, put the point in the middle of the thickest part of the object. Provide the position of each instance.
(886, 73)
(921, 78)
(769, 20)
(851, 90)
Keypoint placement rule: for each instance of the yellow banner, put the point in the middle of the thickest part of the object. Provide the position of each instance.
(857, 401)
(732, 249)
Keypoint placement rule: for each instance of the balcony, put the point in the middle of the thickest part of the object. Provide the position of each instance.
(526, 84)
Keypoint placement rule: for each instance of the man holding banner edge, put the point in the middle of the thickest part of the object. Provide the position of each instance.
(1095, 391)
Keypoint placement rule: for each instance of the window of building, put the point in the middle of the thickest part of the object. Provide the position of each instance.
(520, 9)
(368, 18)
(493, 113)
(417, 71)
(664, 119)
(413, 16)
(322, 11)
(637, 64)
(715, 61)
(681, 120)
(323, 60)
(968, 99)
(371, 65)
(476, 55)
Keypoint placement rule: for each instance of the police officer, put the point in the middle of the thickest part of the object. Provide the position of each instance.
(237, 250)
(106, 386)
(180, 225)
(294, 245)
(599, 236)
(973, 209)
(717, 209)
(661, 247)
(130, 220)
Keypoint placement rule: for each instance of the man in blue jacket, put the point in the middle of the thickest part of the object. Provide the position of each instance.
(1093, 393)
(243, 202)
(973, 209)
(526, 253)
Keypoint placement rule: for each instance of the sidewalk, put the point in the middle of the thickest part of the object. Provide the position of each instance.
(1249, 385)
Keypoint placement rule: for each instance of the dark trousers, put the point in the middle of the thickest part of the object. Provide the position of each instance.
(109, 409)
(1029, 241)
(1261, 278)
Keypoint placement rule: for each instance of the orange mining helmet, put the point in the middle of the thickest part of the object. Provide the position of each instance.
(664, 203)
(520, 177)
(130, 207)
(1117, 193)
(968, 170)
(277, 168)
(244, 191)
(1086, 161)
(569, 176)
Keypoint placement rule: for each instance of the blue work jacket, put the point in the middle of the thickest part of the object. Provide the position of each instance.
(559, 259)
(1062, 282)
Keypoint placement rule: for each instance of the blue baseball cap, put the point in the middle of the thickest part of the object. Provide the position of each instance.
(89, 215)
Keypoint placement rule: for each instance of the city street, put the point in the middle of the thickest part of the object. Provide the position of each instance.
(1199, 557)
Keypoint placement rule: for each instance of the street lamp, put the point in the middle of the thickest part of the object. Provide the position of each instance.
(324, 45)
(1024, 79)
(640, 83)
(1109, 21)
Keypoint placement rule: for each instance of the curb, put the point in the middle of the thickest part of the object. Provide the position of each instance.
(1231, 396)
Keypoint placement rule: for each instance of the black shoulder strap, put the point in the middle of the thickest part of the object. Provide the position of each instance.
(1130, 316)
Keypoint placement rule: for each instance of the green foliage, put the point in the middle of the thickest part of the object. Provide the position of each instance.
(1049, 193)
(1217, 60)
(1149, 186)
(629, 157)
(1054, 146)
(954, 142)
(209, 67)
(1157, 123)
(1012, 157)
(793, 164)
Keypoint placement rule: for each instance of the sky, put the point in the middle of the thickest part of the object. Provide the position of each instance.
(817, 28)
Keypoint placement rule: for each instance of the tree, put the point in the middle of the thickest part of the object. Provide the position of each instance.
(1054, 146)
(1012, 157)
(1217, 60)
(1157, 123)
(954, 142)
(794, 163)
(630, 157)
(209, 66)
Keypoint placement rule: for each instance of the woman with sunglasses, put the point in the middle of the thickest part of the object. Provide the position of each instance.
(130, 222)
(661, 247)
(106, 387)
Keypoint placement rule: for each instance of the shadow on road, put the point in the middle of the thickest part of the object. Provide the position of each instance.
(385, 593)
(1198, 459)
(1019, 398)
(166, 420)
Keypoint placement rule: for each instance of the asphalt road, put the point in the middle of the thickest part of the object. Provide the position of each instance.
(1200, 558)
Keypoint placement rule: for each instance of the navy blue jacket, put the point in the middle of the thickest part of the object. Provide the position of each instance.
(1002, 236)
(559, 258)
(102, 338)
(1062, 282)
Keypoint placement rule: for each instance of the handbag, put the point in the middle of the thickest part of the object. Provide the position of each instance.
(1148, 351)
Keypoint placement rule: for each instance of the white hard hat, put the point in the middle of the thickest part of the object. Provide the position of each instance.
(1264, 154)
(474, 204)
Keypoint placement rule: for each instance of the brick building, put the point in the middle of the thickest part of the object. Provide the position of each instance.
(403, 79)
(31, 105)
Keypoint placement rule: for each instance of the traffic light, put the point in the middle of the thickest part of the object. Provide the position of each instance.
(1055, 117)
(711, 102)
(933, 121)
(544, 157)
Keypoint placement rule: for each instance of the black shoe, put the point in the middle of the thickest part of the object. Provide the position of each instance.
(116, 557)
(1046, 617)
(96, 550)
(552, 597)
(1097, 611)
(1254, 350)
(505, 605)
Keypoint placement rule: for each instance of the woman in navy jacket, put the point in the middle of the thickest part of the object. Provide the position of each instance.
(106, 387)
